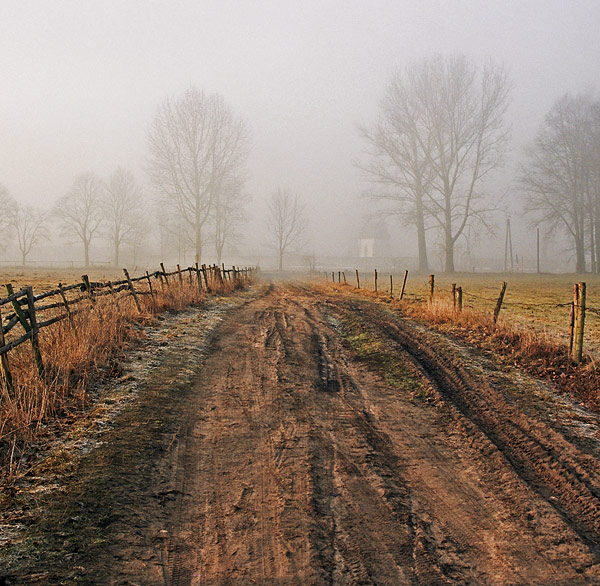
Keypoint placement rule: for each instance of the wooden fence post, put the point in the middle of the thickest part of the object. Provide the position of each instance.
(4, 366)
(454, 296)
(499, 302)
(88, 288)
(162, 268)
(132, 289)
(150, 285)
(460, 301)
(344, 275)
(205, 278)
(579, 325)
(179, 273)
(65, 303)
(403, 284)
(431, 287)
(35, 344)
(391, 287)
(375, 280)
(572, 319)
(198, 277)
(357, 280)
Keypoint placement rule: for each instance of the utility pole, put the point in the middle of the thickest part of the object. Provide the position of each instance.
(538, 251)
(508, 248)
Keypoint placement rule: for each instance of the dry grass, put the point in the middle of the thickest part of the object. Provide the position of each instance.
(533, 303)
(543, 352)
(75, 352)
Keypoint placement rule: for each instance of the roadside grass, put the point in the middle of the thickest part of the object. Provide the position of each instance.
(74, 354)
(532, 337)
(535, 303)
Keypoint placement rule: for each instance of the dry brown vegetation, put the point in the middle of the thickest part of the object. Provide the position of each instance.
(532, 331)
(74, 353)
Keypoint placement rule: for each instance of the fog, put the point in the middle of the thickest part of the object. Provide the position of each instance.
(81, 83)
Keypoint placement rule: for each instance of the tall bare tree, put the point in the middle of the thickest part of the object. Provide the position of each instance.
(196, 145)
(561, 173)
(441, 132)
(287, 221)
(229, 206)
(123, 210)
(30, 225)
(398, 159)
(79, 212)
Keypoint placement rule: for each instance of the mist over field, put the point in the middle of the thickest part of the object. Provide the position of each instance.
(306, 109)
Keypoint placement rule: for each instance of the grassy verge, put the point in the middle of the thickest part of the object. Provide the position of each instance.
(74, 354)
(541, 354)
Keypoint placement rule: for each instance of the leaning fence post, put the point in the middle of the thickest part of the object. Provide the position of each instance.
(132, 289)
(179, 273)
(4, 366)
(35, 344)
(65, 303)
(357, 280)
(375, 280)
(579, 325)
(499, 302)
(431, 287)
(403, 284)
(150, 285)
(162, 268)
(344, 275)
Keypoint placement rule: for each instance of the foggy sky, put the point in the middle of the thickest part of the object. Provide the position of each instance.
(81, 80)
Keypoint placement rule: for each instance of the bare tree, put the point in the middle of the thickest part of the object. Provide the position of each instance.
(287, 221)
(196, 145)
(30, 225)
(123, 210)
(398, 159)
(441, 133)
(80, 210)
(229, 206)
(6, 203)
(560, 175)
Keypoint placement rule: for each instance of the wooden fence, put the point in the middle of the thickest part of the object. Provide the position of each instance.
(578, 306)
(33, 313)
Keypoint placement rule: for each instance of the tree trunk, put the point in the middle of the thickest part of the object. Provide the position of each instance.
(23, 257)
(579, 256)
(280, 259)
(198, 244)
(422, 242)
(116, 253)
(86, 251)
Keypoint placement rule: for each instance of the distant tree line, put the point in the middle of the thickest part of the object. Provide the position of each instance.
(561, 175)
(441, 132)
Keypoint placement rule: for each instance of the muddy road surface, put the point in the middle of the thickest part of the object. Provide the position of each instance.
(326, 440)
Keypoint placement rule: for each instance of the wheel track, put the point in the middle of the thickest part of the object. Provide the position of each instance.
(559, 479)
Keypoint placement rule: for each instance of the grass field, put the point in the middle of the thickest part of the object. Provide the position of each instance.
(532, 302)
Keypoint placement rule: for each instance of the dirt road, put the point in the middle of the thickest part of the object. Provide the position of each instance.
(327, 441)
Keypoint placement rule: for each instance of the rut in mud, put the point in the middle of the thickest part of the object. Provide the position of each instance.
(328, 442)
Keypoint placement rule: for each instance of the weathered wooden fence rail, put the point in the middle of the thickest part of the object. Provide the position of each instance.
(31, 311)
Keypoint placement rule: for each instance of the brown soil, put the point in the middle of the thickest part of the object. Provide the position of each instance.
(326, 440)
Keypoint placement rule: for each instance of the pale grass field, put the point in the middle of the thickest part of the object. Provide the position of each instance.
(532, 302)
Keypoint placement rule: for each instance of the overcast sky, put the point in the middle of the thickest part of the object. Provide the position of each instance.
(81, 79)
